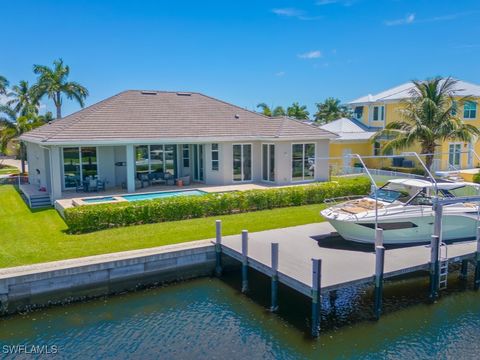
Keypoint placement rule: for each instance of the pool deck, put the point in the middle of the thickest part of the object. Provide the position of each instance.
(343, 263)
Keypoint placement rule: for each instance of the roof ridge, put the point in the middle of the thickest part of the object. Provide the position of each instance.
(84, 112)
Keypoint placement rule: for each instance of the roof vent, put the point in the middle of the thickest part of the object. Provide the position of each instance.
(184, 94)
(148, 92)
(237, 116)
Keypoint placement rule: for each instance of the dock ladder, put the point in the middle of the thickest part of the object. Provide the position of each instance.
(443, 274)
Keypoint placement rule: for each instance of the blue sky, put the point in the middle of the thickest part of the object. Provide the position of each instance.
(244, 52)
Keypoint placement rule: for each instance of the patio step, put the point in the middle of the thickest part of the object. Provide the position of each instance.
(40, 201)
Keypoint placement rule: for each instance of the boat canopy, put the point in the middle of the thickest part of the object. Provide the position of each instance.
(418, 183)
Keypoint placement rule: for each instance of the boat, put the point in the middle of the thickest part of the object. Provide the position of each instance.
(404, 210)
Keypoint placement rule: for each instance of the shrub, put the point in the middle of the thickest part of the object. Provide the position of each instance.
(476, 178)
(102, 216)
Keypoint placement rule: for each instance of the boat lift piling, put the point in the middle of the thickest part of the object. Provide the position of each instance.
(476, 284)
(244, 261)
(379, 268)
(316, 296)
(218, 248)
(274, 281)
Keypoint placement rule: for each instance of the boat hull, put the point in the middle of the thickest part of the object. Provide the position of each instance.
(407, 230)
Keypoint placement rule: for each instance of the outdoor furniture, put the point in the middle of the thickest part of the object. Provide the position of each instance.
(79, 187)
(169, 179)
(157, 178)
(185, 179)
(92, 185)
(144, 179)
(100, 185)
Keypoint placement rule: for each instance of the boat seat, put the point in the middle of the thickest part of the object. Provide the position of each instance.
(353, 209)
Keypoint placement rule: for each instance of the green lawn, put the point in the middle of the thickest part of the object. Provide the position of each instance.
(29, 237)
(8, 170)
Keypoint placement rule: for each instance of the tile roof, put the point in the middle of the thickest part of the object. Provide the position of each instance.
(403, 91)
(348, 129)
(136, 115)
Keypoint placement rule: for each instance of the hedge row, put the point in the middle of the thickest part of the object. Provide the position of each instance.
(88, 218)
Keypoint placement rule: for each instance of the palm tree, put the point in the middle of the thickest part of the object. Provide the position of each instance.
(23, 99)
(298, 112)
(3, 85)
(53, 83)
(429, 118)
(330, 110)
(12, 127)
(278, 111)
(265, 109)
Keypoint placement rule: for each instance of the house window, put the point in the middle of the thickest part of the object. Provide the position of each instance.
(155, 158)
(242, 162)
(358, 112)
(268, 162)
(186, 155)
(303, 162)
(215, 157)
(453, 110)
(376, 148)
(470, 110)
(378, 113)
(79, 163)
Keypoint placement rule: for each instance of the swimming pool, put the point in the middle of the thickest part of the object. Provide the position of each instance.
(144, 196)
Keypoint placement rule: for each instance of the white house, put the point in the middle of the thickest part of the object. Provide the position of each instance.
(135, 133)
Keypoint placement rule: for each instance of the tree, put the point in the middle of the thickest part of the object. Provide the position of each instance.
(298, 112)
(54, 83)
(12, 127)
(267, 111)
(23, 99)
(429, 118)
(330, 110)
(3, 85)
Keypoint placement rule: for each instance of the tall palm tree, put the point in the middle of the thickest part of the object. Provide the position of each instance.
(429, 119)
(12, 127)
(267, 111)
(23, 99)
(54, 83)
(3, 85)
(330, 110)
(298, 111)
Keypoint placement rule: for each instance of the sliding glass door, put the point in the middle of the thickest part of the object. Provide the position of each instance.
(303, 162)
(198, 162)
(78, 164)
(155, 159)
(268, 162)
(242, 162)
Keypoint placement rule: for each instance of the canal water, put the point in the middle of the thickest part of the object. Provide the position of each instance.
(210, 319)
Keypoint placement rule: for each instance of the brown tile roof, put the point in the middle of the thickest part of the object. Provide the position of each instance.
(146, 115)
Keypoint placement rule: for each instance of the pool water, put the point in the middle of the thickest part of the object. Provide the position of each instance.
(146, 196)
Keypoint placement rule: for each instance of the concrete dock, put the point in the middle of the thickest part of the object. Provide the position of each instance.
(343, 263)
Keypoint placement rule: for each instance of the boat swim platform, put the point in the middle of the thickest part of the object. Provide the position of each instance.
(344, 263)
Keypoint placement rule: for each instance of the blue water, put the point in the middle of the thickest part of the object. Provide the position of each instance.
(211, 319)
(147, 196)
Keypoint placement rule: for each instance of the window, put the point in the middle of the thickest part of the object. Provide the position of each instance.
(186, 155)
(358, 112)
(78, 164)
(470, 110)
(378, 113)
(155, 158)
(453, 110)
(376, 148)
(268, 162)
(242, 162)
(215, 157)
(303, 162)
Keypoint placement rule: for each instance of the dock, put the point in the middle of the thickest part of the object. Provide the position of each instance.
(312, 260)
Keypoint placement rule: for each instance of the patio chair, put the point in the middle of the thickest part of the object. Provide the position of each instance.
(169, 179)
(156, 178)
(100, 185)
(144, 179)
(79, 187)
(93, 185)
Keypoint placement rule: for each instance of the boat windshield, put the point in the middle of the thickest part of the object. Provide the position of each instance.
(391, 192)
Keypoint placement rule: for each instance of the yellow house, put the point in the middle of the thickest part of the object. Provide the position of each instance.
(375, 111)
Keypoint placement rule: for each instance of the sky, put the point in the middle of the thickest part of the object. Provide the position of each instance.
(244, 52)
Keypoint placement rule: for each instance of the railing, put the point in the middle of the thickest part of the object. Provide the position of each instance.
(14, 180)
(335, 200)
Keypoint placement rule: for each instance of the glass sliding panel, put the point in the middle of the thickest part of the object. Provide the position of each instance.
(170, 159)
(186, 155)
(247, 162)
(271, 176)
(309, 161)
(141, 160)
(156, 158)
(89, 162)
(265, 162)
(237, 162)
(215, 157)
(200, 162)
(71, 166)
(297, 162)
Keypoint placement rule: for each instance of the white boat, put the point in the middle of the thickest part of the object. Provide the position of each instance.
(405, 213)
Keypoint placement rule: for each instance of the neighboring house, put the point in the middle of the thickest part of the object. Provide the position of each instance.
(375, 111)
(134, 133)
(353, 138)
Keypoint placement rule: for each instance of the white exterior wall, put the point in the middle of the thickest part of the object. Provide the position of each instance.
(106, 165)
(120, 156)
(37, 158)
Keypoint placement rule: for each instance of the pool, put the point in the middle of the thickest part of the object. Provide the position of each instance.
(143, 196)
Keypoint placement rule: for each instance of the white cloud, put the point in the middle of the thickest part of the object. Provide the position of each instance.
(288, 12)
(315, 54)
(330, 2)
(409, 19)
(280, 73)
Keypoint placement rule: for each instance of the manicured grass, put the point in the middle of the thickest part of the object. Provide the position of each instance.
(29, 237)
(8, 170)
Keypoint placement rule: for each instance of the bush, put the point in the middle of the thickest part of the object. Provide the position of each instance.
(88, 218)
(476, 178)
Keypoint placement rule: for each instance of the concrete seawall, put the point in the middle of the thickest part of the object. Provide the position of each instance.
(25, 287)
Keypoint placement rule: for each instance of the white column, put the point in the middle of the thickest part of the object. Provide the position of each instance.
(55, 173)
(130, 168)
